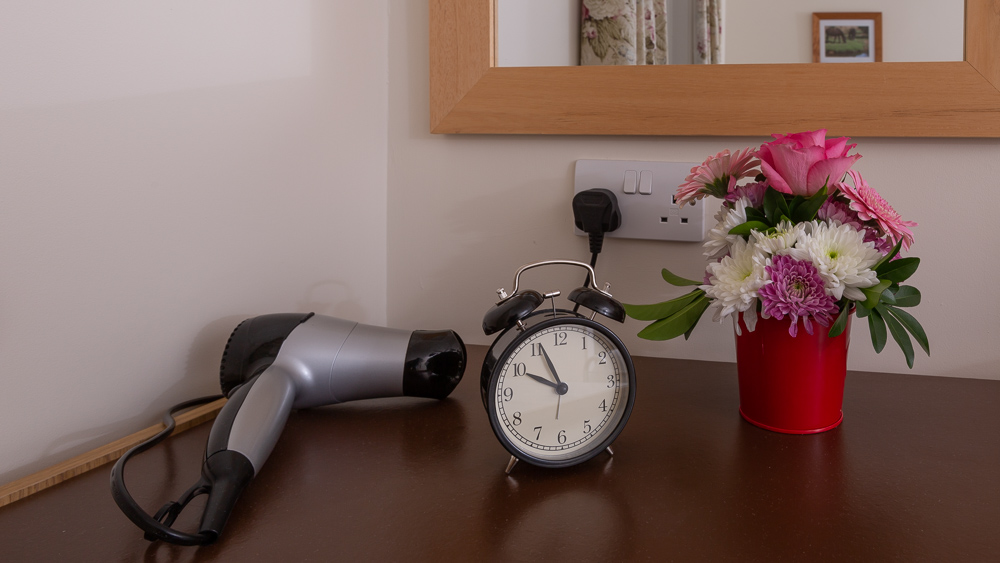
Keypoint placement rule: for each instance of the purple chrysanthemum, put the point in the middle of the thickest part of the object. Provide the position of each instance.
(796, 290)
(833, 210)
(753, 192)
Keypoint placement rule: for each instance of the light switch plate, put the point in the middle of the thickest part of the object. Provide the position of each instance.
(653, 215)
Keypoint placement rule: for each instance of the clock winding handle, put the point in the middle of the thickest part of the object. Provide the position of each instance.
(590, 270)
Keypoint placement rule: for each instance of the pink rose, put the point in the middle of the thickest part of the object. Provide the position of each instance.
(802, 163)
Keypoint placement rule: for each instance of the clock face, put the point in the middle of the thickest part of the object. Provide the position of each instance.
(563, 392)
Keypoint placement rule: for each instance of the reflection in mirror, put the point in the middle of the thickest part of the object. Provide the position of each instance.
(533, 33)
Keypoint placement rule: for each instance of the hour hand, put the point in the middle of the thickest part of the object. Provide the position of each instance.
(560, 387)
(541, 379)
(548, 362)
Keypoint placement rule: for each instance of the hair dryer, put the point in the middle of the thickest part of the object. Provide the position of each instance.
(274, 363)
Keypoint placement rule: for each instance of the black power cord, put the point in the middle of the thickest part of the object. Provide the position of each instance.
(595, 212)
(158, 527)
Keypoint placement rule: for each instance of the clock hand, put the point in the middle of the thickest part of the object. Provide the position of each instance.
(560, 388)
(548, 362)
(542, 380)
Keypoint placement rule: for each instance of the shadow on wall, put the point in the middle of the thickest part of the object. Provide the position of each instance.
(332, 298)
(200, 374)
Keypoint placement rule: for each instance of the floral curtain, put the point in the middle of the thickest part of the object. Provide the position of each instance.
(708, 43)
(623, 32)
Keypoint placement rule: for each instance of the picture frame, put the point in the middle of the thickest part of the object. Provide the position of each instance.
(847, 37)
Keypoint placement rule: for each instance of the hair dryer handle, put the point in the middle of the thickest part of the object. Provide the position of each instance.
(243, 435)
(227, 473)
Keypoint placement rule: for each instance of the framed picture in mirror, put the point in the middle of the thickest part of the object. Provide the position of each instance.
(847, 37)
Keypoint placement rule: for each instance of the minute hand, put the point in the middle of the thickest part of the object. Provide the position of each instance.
(548, 362)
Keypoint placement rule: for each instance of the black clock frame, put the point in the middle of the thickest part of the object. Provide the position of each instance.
(504, 346)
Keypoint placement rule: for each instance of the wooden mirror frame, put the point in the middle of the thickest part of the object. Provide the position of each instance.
(470, 94)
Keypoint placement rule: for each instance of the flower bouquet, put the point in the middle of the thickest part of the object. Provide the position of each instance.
(801, 237)
(799, 241)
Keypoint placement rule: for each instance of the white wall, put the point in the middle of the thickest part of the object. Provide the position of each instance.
(533, 33)
(166, 170)
(780, 31)
(466, 210)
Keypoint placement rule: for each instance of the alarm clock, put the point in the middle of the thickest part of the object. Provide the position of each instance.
(558, 386)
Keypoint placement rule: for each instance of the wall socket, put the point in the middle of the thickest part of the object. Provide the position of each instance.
(645, 192)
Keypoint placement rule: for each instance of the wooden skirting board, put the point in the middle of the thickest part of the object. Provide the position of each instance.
(21, 488)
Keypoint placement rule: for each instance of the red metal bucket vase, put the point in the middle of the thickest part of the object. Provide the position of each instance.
(791, 385)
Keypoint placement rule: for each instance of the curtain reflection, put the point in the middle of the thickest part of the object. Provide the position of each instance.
(708, 35)
(623, 32)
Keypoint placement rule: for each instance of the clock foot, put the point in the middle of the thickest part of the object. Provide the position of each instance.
(510, 464)
(610, 451)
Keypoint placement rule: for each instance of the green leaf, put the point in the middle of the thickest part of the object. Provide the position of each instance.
(877, 327)
(754, 214)
(907, 296)
(745, 228)
(912, 326)
(899, 335)
(888, 297)
(898, 270)
(775, 206)
(874, 294)
(796, 202)
(841, 323)
(807, 210)
(885, 259)
(662, 310)
(687, 334)
(862, 309)
(674, 279)
(678, 323)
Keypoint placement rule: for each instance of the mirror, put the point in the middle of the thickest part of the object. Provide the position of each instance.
(532, 33)
(471, 94)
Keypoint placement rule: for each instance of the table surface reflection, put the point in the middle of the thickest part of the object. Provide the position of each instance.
(912, 474)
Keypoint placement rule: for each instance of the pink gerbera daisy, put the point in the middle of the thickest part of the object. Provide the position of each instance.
(796, 289)
(717, 175)
(871, 207)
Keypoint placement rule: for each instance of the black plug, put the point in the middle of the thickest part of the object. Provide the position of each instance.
(596, 212)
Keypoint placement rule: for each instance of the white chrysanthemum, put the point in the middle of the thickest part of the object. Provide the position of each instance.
(719, 240)
(734, 281)
(842, 256)
(783, 238)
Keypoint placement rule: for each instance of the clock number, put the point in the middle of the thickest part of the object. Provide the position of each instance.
(611, 381)
(604, 358)
(508, 394)
(603, 406)
(560, 338)
(520, 369)
(535, 349)
(517, 418)
(538, 432)
(561, 437)
(584, 338)
(586, 427)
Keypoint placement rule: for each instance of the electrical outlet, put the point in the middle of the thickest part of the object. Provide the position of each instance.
(645, 192)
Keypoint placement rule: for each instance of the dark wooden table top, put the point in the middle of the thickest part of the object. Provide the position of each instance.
(913, 474)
